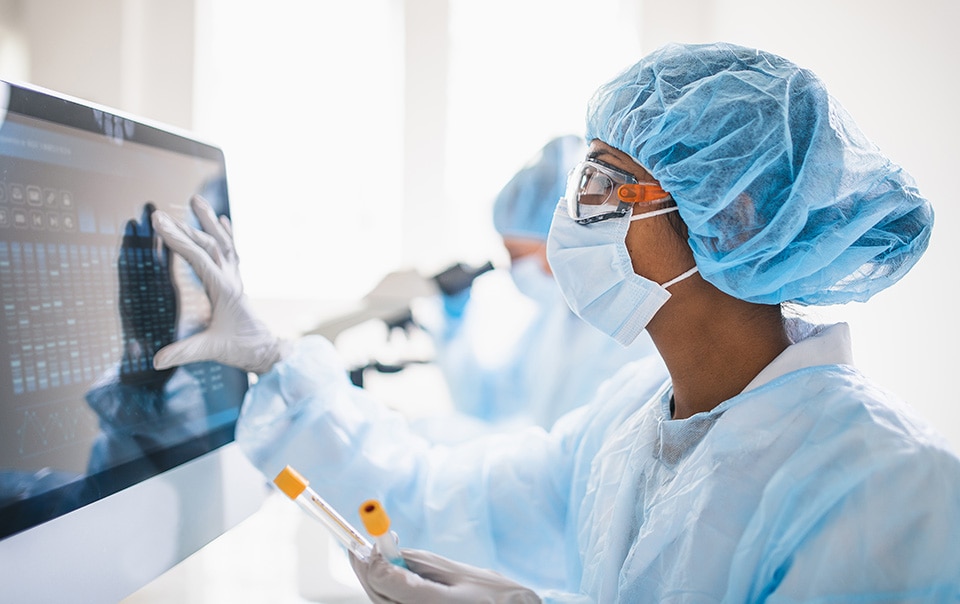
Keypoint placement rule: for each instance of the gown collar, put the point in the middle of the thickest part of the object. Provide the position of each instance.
(813, 345)
(816, 345)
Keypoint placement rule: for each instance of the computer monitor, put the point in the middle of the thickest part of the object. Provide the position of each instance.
(110, 472)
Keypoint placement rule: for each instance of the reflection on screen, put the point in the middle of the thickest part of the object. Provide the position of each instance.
(88, 294)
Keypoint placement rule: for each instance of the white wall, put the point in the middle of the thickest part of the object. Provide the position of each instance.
(521, 73)
(307, 100)
(135, 55)
(398, 123)
(14, 63)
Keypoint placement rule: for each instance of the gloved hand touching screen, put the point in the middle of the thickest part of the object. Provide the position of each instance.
(235, 336)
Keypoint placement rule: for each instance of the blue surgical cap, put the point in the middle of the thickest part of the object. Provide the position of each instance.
(783, 197)
(525, 206)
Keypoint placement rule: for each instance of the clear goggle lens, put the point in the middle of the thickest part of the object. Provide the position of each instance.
(597, 191)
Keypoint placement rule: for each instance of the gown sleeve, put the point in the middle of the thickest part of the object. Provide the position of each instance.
(497, 502)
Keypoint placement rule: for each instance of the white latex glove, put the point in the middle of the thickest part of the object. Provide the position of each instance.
(435, 580)
(235, 336)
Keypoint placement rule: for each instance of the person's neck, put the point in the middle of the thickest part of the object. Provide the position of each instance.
(713, 344)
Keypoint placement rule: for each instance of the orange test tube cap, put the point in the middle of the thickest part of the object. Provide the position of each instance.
(374, 518)
(291, 482)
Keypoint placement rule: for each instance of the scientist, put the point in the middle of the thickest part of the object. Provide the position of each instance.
(497, 350)
(765, 467)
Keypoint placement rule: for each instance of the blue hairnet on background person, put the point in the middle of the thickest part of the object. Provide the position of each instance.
(523, 209)
(505, 356)
(765, 468)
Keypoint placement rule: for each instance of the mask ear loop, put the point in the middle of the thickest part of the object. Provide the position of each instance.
(637, 193)
(676, 280)
(654, 213)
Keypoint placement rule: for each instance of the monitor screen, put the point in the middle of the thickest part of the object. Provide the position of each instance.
(88, 294)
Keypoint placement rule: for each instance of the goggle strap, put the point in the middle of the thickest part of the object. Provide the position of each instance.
(640, 193)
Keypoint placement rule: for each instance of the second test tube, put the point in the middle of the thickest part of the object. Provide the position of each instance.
(377, 524)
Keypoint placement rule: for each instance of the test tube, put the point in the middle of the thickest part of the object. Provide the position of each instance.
(377, 524)
(297, 488)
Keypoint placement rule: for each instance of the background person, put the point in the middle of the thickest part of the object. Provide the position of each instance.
(505, 346)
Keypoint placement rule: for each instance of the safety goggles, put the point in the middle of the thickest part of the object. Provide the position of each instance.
(597, 191)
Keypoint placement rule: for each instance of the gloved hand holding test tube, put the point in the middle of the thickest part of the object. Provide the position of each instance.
(296, 487)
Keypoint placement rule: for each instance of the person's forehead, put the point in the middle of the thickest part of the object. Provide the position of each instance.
(618, 159)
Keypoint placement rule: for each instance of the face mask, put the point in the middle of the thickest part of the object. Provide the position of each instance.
(530, 278)
(593, 269)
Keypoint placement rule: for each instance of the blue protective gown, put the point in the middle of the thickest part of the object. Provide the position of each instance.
(510, 361)
(811, 485)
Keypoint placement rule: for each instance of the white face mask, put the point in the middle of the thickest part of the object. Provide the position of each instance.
(529, 277)
(593, 269)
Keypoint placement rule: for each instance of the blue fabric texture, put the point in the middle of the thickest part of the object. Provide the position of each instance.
(524, 207)
(510, 371)
(816, 487)
(784, 198)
